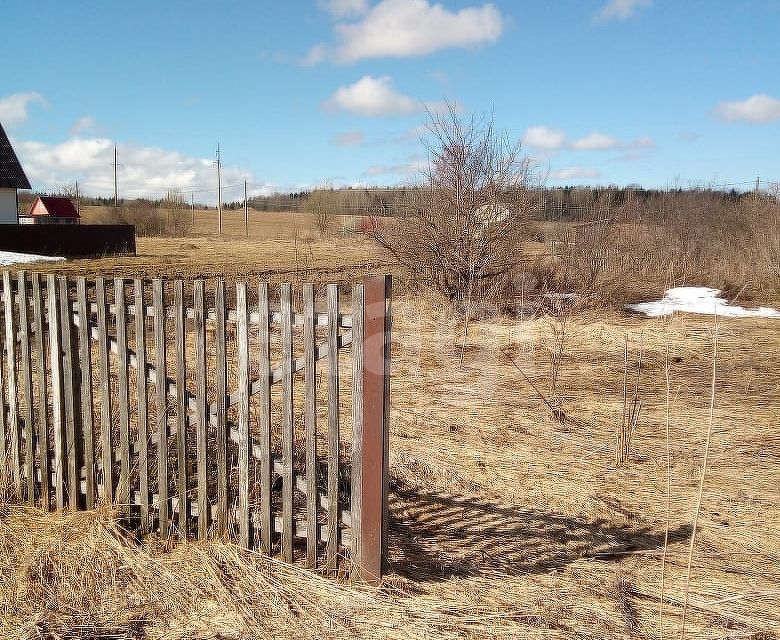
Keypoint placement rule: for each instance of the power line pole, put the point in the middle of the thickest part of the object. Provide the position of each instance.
(219, 189)
(78, 203)
(192, 207)
(116, 191)
(246, 213)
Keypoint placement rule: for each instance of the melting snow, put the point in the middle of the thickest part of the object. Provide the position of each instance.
(699, 300)
(8, 258)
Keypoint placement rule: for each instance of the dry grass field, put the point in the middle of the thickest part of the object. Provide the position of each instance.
(509, 515)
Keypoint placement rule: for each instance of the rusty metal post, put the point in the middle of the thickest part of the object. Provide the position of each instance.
(373, 462)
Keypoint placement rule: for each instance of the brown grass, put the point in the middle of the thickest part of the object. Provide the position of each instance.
(506, 522)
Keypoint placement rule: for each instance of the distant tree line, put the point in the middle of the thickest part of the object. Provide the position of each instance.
(569, 203)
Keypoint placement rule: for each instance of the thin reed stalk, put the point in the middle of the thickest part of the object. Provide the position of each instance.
(701, 480)
(668, 493)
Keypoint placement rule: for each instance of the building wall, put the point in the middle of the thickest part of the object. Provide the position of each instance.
(39, 209)
(69, 240)
(8, 206)
(39, 219)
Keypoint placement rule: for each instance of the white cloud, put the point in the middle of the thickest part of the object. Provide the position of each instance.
(621, 9)
(406, 28)
(341, 8)
(596, 141)
(372, 96)
(316, 54)
(549, 139)
(542, 137)
(575, 173)
(349, 139)
(83, 124)
(13, 108)
(143, 171)
(756, 109)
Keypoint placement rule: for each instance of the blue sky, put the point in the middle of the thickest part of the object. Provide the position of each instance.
(307, 92)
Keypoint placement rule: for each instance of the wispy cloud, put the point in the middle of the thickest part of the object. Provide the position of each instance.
(575, 173)
(408, 28)
(402, 170)
(415, 134)
(341, 8)
(688, 136)
(550, 139)
(372, 96)
(82, 125)
(757, 109)
(14, 108)
(595, 141)
(621, 9)
(348, 139)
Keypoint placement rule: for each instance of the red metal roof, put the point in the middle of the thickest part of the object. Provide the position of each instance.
(54, 206)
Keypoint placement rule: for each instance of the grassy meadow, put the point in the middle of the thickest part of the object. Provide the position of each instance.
(510, 514)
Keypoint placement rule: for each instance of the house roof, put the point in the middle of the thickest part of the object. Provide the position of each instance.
(11, 172)
(54, 206)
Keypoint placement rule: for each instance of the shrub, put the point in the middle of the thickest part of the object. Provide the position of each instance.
(464, 231)
(149, 219)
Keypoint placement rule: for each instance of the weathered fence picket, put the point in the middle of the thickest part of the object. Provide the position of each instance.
(251, 460)
(142, 401)
(43, 411)
(161, 396)
(107, 453)
(287, 424)
(310, 422)
(221, 410)
(201, 438)
(182, 473)
(264, 379)
(10, 338)
(58, 411)
(87, 409)
(25, 356)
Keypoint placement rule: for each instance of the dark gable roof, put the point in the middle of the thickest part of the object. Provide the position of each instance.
(11, 172)
(56, 207)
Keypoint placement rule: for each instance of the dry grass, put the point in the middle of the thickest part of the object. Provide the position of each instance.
(274, 259)
(262, 224)
(506, 521)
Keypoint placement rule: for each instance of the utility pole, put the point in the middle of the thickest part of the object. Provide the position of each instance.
(192, 208)
(78, 203)
(246, 213)
(116, 192)
(758, 186)
(219, 189)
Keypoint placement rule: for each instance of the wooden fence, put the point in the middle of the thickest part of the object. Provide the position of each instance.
(203, 409)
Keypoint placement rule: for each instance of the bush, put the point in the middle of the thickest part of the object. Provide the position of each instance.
(149, 219)
(464, 231)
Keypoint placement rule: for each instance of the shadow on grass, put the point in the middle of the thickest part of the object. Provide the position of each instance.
(435, 536)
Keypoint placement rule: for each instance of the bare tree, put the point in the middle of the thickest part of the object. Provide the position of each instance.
(463, 231)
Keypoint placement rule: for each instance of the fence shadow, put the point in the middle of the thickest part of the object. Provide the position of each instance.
(436, 536)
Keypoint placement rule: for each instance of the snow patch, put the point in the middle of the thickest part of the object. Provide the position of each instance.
(703, 300)
(7, 258)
